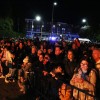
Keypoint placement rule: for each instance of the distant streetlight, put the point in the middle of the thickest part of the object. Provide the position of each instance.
(38, 18)
(54, 4)
(84, 20)
(31, 21)
(85, 24)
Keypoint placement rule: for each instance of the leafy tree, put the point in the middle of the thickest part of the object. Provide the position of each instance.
(6, 24)
(6, 28)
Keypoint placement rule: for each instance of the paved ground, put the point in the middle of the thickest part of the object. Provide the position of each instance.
(10, 91)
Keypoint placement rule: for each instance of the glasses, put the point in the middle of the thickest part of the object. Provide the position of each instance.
(82, 64)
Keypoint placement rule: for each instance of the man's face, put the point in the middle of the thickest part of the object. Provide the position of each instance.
(40, 57)
(96, 55)
(57, 51)
(70, 55)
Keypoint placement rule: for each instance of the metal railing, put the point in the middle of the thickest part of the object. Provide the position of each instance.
(72, 87)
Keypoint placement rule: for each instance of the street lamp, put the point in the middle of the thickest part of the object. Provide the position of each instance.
(54, 4)
(41, 31)
(84, 20)
(30, 28)
(38, 18)
(84, 24)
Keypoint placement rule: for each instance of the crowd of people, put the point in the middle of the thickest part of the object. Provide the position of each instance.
(56, 70)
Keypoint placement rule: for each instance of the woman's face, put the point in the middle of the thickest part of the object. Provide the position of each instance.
(96, 55)
(84, 65)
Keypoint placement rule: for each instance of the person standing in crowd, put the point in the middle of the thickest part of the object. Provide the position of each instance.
(76, 51)
(33, 54)
(6, 60)
(28, 46)
(55, 79)
(20, 53)
(96, 57)
(12, 75)
(65, 46)
(84, 79)
(23, 75)
(69, 65)
(38, 71)
(58, 56)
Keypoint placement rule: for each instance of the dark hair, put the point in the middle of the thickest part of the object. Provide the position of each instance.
(56, 65)
(89, 65)
(60, 47)
(70, 50)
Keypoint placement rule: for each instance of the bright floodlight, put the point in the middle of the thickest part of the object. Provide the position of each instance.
(38, 18)
(84, 20)
(52, 38)
(55, 3)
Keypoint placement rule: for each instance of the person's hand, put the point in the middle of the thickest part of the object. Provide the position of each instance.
(45, 73)
(78, 79)
(80, 72)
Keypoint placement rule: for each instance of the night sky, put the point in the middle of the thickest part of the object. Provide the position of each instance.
(68, 11)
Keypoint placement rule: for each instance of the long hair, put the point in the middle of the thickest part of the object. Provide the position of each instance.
(89, 65)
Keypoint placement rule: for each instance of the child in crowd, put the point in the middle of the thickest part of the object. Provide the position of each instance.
(10, 77)
(23, 75)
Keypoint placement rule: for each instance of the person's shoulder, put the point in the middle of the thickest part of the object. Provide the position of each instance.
(98, 64)
(94, 71)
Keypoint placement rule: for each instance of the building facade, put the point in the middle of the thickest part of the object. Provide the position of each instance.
(41, 29)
